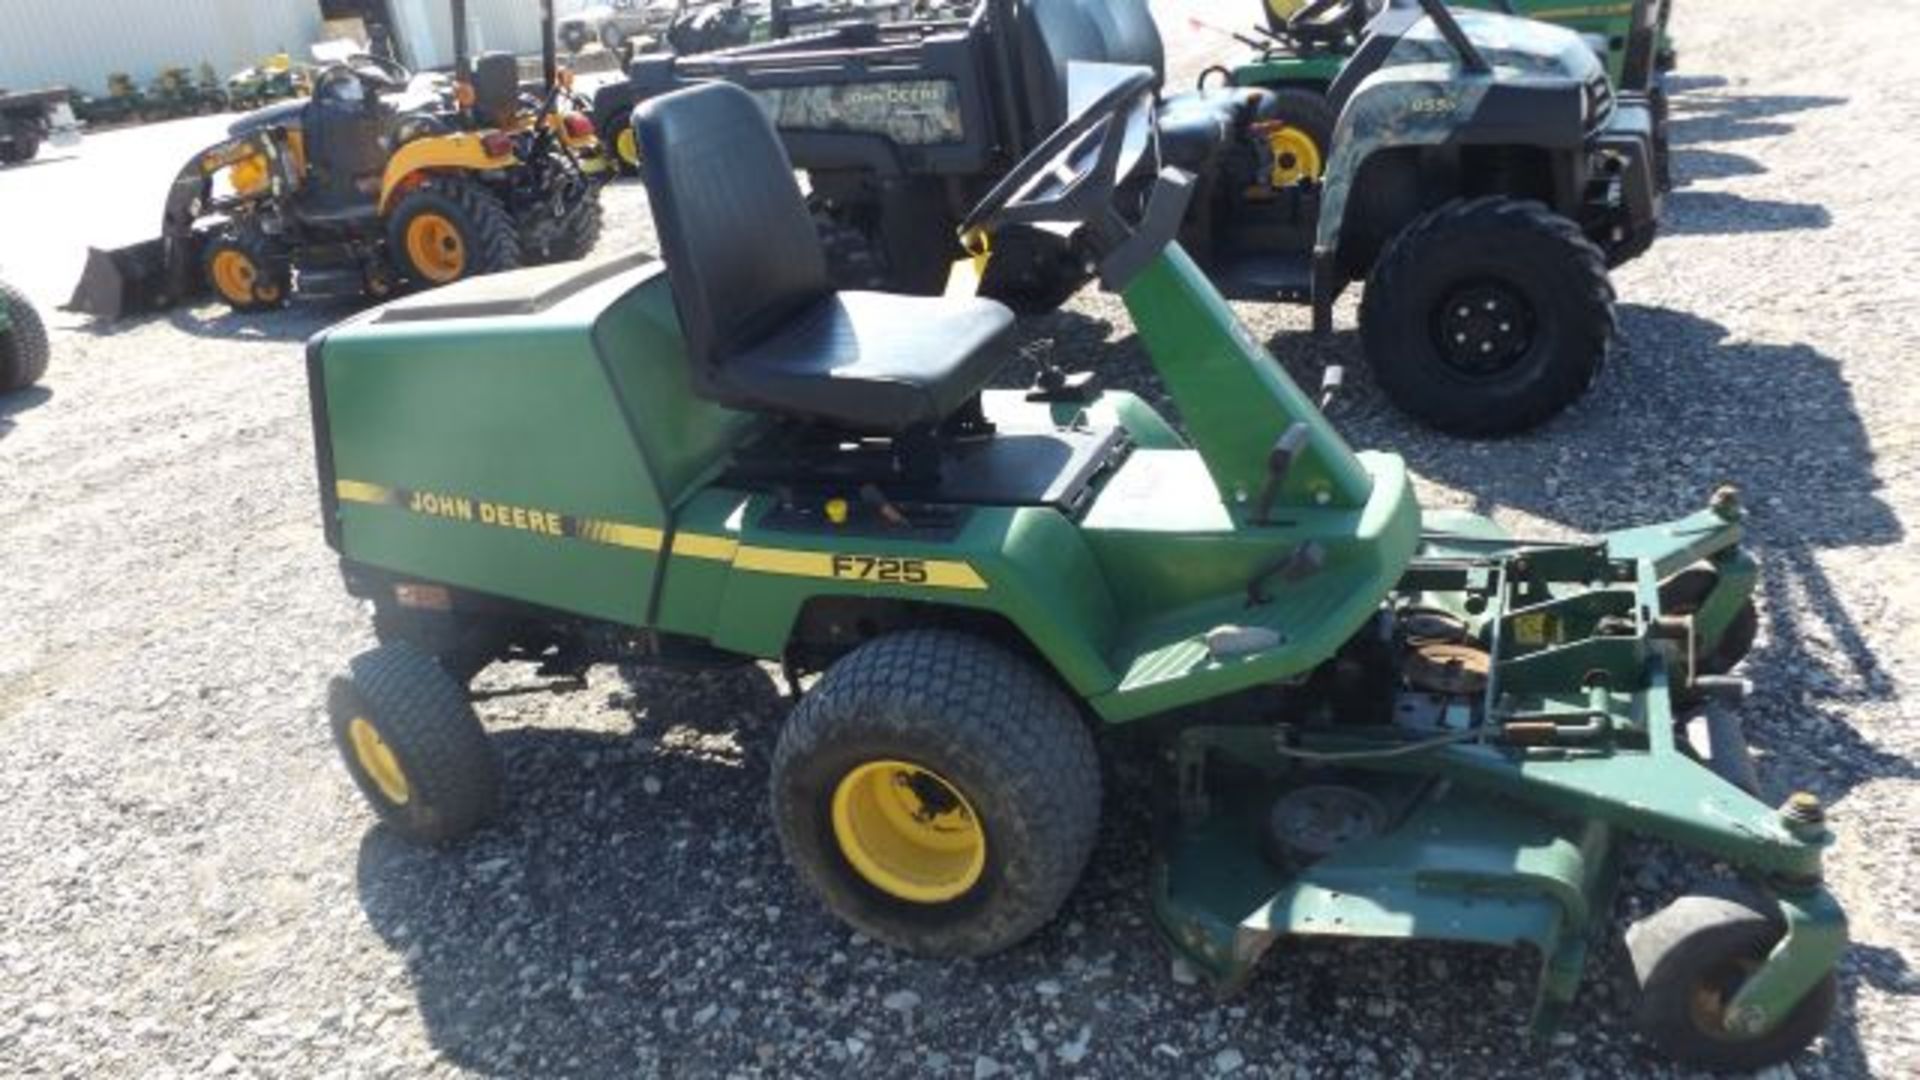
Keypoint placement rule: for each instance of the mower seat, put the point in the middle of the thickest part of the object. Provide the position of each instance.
(765, 330)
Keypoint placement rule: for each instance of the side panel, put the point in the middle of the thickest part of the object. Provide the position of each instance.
(489, 454)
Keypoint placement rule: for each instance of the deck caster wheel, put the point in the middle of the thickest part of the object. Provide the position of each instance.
(413, 745)
(937, 793)
(1690, 958)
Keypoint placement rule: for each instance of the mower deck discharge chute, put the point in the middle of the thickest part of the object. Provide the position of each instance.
(1416, 726)
(378, 181)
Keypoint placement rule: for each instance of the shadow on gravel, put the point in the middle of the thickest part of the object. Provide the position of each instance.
(1700, 409)
(1720, 213)
(296, 322)
(1717, 118)
(12, 405)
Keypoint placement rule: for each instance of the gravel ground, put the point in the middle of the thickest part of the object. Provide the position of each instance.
(189, 885)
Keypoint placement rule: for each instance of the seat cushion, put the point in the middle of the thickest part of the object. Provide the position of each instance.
(1195, 125)
(871, 362)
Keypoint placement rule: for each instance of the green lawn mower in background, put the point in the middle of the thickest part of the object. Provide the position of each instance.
(1415, 726)
(23, 341)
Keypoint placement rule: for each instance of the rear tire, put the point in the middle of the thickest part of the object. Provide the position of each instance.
(612, 37)
(996, 771)
(449, 229)
(24, 147)
(24, 350)
(1487, 316)
(413, 745)
(1690, 957)
(621, 145)
(1308, 112)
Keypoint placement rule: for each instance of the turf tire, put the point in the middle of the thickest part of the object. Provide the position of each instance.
(24, 349)
(422, 715)
(999, 729)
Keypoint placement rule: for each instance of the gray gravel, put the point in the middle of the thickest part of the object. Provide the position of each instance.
(188, 884)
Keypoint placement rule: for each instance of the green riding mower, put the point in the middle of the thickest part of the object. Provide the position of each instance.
(1481, 180)
(375, 183)
(1415, 725)
(23, 341)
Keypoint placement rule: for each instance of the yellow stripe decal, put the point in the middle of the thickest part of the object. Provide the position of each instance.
(878, 569)
(372, 494)
(702, 546)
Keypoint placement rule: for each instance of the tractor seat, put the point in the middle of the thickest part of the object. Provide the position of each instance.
(1194, 126)
(765, 329)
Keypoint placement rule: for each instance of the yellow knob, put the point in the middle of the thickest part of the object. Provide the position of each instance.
(837, 511)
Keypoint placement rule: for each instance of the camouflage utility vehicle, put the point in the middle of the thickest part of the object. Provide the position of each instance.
(1481, 178)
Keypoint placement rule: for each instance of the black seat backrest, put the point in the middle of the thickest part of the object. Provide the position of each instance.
(740, 246)
(342, 138)
(1053, 34)
(496, 87)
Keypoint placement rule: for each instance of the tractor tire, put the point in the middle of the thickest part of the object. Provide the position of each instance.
(622, 145)
(574, 37)
(243, 268)
(1487, 316)
(938, 793)
(449, 229)
(1307, 111)
(23, 344)
(612, 38)
(1689, 958)
(23, 147)
(413, 745)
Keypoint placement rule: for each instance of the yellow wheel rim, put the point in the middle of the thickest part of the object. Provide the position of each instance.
(1296, 157)
(234, 276)
(435, 248)
(908, 832)
(377, 761)
(627, 147)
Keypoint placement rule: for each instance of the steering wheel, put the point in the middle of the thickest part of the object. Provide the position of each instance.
(1071, 176)
(1321, 15)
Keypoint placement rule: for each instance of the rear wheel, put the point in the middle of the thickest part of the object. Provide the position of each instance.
(245, 271)
(612, 37)
(413, 745)
(618, 137)
(23, 342)
(451, 228)
(24, 146)
(938, 793)
(1294, 135)
(1690, 959)
(1487, 316)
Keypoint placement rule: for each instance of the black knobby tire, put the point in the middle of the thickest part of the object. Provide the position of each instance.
(24, 349)
(1520, 251)
(486, 228)
(573, 37)
(273, 284)
(1009, 741)
(1308, 110)
(451, 772)
(612, 37)
(24, 147)
(1693, 953)
(577, 236)
(852, 262)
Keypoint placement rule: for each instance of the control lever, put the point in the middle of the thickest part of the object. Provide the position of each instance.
(1330, 383)
(874, 497)
(1297, 565)
(1286, 450)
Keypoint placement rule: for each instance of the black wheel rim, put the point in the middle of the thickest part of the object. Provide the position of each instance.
(1483, 329)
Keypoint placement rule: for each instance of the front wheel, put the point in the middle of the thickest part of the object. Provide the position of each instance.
(937, 793)
(245, 271)
(1690, 959)
(23, 342)
(1487, 316)
(413, 745)
(450, 228)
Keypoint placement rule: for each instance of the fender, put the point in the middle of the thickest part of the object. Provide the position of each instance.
(461, 151)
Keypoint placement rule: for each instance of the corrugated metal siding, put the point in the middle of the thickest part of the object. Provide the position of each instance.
(78, 43)
(426, 27)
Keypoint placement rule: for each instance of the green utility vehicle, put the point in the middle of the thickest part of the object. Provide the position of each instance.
(1418, 726)
(23, 341)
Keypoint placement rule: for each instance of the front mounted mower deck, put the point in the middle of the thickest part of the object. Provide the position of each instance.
(1440, 731)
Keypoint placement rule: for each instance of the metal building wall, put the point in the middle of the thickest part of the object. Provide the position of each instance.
(426, 28)
(77, 43)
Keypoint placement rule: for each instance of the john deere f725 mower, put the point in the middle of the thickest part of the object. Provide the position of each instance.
(377, 181)
(1417, 726)
(1482, 179)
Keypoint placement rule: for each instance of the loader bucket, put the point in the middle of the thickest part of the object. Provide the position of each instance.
(132, 280)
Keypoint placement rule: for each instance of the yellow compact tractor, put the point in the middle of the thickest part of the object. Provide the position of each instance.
(379, 181)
